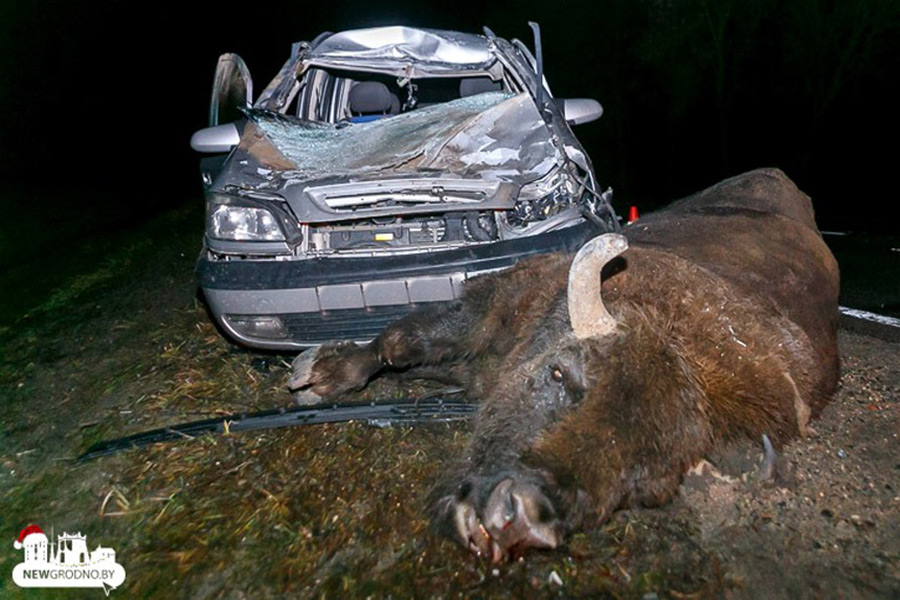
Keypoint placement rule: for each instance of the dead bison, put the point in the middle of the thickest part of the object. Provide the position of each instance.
(716, 319)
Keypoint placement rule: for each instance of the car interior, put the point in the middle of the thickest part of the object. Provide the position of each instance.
(358, 97)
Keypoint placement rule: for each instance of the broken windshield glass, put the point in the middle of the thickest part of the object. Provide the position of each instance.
(497, 136)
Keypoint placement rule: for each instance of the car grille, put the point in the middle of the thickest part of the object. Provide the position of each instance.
(404, 232)
(350, 324)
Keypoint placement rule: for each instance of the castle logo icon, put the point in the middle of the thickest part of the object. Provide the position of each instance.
(67, 563)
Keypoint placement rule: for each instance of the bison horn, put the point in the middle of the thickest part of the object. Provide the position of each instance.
(587, 315)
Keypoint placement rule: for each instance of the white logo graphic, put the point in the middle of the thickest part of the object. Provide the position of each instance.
(68, 564)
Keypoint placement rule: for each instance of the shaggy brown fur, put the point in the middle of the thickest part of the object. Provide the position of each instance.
(726, 305)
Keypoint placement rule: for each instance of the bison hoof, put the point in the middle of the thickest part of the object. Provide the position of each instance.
(515, 516)
(302, 369)
(306, 398)
(323, 372)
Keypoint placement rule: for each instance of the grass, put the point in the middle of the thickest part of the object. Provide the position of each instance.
(116, 265)
(56, 244)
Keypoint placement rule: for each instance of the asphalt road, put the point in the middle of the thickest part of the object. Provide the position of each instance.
(870, 282)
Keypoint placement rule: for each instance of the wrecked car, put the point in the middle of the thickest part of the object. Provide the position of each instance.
(378, 171)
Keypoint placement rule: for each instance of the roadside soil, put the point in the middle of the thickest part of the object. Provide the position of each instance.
(336, 511)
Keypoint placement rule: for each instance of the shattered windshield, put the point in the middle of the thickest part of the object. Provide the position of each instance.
(493, 135)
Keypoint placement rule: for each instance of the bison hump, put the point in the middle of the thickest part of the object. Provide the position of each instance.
(766, 191)
(757, 234)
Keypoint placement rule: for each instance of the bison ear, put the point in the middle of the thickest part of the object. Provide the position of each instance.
(587, 315)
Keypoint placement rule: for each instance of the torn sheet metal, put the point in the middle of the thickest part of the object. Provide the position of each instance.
(509, 142)
(492, 136)
(404, 50)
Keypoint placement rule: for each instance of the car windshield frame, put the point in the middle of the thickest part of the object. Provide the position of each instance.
(405, 51)
(282, 90)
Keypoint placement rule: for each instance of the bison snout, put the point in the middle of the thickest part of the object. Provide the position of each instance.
(469, 530)
(519, 516)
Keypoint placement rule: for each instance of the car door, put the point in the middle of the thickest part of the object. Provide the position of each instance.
(232, 90)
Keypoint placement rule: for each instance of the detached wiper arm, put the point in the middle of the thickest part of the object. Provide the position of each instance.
(380, 413)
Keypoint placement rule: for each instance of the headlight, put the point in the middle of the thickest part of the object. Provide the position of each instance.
(258, 326)
(543, 199)
(243, 223)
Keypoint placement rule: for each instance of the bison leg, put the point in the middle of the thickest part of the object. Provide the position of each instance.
(493, 315)
(427, 337)
(329, 370)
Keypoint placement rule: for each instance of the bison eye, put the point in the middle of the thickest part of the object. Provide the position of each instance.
(556, 374)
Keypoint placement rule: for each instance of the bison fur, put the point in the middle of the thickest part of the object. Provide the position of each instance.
(604, 377)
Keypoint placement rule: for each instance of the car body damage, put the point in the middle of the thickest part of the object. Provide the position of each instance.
(379, 170)
(404, 51)
(487, 136)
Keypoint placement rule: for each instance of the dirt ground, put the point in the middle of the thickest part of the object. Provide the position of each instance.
(336, 511)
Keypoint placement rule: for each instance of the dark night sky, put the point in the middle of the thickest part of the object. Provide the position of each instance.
(103, 96)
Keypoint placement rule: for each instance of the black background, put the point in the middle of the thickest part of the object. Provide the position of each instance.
(100, 98)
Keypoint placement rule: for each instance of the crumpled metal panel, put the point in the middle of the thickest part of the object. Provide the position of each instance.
(405, 48)
(509, 142)
(493, 136)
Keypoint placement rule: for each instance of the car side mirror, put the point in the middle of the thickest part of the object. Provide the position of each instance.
(221, 138)
(581, 110)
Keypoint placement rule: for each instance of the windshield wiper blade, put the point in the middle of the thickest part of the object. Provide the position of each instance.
(410, 411)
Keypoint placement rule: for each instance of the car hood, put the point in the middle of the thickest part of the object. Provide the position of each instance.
(496, 139)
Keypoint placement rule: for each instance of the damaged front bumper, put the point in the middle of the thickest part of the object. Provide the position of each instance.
(295, 304)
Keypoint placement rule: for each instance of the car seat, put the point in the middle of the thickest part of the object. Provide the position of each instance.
(371, 100)
(478, 85)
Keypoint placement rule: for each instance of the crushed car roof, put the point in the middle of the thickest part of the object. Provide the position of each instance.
(392, 46)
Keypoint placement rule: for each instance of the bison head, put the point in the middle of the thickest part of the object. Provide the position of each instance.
(506, 497)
